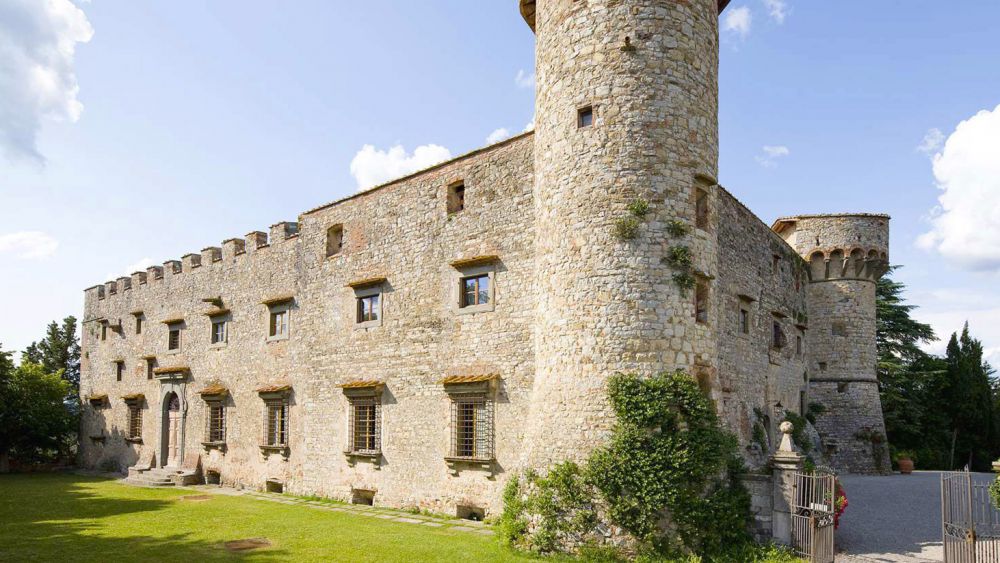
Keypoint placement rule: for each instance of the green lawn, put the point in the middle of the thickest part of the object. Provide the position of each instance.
(66, 518)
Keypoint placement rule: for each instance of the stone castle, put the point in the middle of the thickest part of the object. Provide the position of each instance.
(418, 343)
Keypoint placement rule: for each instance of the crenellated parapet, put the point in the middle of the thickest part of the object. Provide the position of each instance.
(847, 263)
(230, 251)
(839, 246)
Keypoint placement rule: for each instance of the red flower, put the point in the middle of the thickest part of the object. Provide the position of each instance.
(840, 505)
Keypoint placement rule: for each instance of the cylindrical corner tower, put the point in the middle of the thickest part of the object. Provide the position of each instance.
(847, 254)
(626, 118)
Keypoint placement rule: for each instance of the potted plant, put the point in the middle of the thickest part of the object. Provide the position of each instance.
(904, 459)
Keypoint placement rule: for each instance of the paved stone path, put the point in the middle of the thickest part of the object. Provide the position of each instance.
(405, 517)
(894, 518)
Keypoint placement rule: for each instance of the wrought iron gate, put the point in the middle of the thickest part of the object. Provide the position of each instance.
(813, 516)
(970, 524)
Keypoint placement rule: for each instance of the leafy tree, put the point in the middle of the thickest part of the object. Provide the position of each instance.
(59, 350)
(36, 422)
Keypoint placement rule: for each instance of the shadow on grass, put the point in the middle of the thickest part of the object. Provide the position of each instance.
(58, 517)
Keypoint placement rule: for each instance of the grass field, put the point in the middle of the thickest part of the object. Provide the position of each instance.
(65, 518)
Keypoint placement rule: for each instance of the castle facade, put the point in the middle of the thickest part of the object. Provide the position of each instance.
(418, 343)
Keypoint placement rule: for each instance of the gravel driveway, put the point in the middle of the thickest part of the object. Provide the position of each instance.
(895, 518)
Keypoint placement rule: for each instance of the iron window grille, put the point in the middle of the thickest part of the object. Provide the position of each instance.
(174, 339)
(368, 308)
(134, 421)
(475, 290)
(276, 423)
(216, 419)
(472, 427)
(365, 435)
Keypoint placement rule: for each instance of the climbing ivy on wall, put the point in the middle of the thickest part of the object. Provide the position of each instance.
(667, 477)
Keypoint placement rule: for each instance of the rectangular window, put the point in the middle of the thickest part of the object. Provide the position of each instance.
(276, 423)
(456, 197)
(475, 291)
(219, 331)
(138, 324)
(134, 421)
(585, 117)
(701, 209)
(744, 321)
(119, 370)
(279, 324)
(150, 366)
(104, 330)
(334, 240)
(174, 337)
(216, 432)
(368, 308)
(472, 427)
(775, 264)
(778, 339)
(798, 345)
(365, 422)
(701, 301)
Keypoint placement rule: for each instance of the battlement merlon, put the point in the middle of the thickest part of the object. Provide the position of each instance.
(227, 252)
(528, 11)
(839, 245)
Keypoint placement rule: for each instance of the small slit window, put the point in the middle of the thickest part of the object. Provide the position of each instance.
(456, 197)
(744, 321)
(119, 370)
(585, 117)
(334, 240)
(150, 366)
(701, 209)
(138, 324)
(701, 301)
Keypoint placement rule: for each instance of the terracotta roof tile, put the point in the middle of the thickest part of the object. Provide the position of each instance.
(173, 369)
(275, 388)
(455, 379)
(214, 389)
(134, 397)
(361, 384)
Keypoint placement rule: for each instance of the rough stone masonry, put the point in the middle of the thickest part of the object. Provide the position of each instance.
(418, 343)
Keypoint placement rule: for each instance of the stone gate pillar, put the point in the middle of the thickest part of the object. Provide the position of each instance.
(785, 463)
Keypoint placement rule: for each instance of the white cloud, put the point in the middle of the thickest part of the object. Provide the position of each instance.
(497, 136)
(138, 266)
(28, 245)
(777, 9)
(932, 143)
(947, 310)
(524, 80)
(738, 21)
(37, 43)
(965, 226)
(371, 166)
(772, 154)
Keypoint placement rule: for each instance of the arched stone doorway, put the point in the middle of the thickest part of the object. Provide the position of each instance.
(172, 431)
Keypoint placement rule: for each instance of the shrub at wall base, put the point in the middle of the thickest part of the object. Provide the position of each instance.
(664, 484)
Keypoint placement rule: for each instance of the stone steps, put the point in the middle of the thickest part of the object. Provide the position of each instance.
(157, 477)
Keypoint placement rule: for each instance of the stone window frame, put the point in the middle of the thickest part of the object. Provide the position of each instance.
(133, 428)
(779, 340)
(119, 369)
(175, 340)
(274, 312)
(744, 320)
(361, 396)
(363, 293)
(215, 434)
(475, 395)
(702, 300)
(104, 329)
(214, 319)
(476, 270)
(702, 209)
(277, 410)
(139, 318)
(150, 366)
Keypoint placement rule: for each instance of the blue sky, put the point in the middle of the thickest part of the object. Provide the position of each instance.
(157, 129)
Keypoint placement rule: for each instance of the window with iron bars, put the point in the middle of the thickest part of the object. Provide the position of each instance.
(134, 422)
(472, 427)
(365, 425)
(216, 430)
(276, 422)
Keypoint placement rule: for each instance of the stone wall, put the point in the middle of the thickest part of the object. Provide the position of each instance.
(761, 277)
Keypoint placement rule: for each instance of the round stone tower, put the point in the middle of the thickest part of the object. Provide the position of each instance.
(626, 112)
(847, 254)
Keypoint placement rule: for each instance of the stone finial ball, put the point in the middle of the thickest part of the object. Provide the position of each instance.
(786, 427)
